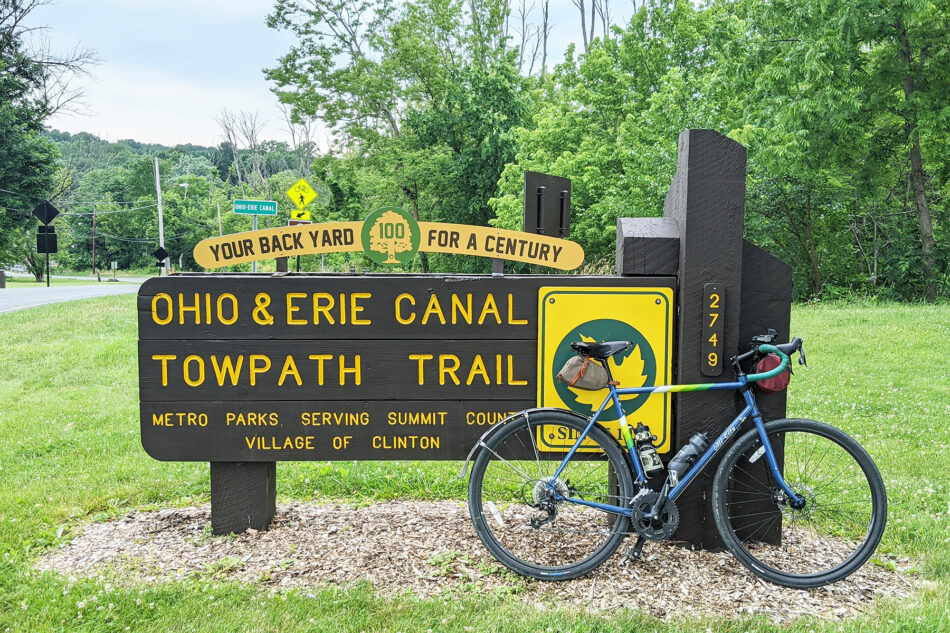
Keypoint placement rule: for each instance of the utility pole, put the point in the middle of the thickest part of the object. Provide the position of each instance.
(254, 228)
(93, 240)
(161, 220)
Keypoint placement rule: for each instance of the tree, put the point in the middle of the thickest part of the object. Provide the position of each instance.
(847, 102)
(34, 83)
(421, 98)
(609, 120)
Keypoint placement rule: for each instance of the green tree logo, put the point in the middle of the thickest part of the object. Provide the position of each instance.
(390, 236)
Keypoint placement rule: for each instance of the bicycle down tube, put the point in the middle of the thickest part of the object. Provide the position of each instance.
(750, 410)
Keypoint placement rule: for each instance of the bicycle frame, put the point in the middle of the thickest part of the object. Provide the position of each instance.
(751, 410)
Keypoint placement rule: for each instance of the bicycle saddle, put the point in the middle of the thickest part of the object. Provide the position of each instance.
(600, 351)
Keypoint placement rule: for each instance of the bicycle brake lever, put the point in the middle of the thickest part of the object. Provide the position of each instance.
(801, 356)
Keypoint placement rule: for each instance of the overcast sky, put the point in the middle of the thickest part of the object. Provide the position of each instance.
(169, 67)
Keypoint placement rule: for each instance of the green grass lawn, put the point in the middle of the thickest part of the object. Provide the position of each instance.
(70, 453)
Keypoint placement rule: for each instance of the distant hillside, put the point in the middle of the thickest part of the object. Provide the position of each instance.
(83, 152)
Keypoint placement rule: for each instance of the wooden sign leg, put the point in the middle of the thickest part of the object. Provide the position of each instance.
(243, 495)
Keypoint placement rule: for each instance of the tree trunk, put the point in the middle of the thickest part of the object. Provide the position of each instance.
(917, 177)
(927, 242)
(423, 258)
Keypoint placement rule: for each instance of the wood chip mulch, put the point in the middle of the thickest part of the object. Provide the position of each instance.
(431, 549)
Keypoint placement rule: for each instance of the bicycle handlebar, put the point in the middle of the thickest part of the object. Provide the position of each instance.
(765, 348)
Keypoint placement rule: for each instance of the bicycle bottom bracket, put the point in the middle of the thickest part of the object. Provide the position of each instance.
(658, 529)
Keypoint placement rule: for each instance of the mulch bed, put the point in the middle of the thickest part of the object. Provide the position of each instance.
(431, 549)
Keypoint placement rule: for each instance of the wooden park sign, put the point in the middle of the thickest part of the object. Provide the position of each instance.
(247, 370)
(389, 236)
(329, 367)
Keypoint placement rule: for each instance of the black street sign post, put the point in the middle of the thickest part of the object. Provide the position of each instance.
(45, 212)
(160, 254)
(46, 239)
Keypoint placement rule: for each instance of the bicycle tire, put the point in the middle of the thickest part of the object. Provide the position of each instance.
(829, 538)
(507, 489)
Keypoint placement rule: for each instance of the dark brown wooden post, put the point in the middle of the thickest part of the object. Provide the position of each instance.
(699, 239)
(243, 495)
(707, 202)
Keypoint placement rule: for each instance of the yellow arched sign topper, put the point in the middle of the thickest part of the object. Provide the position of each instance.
(343, 237)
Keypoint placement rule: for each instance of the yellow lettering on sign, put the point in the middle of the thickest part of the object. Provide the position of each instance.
(356, 308)
(232, 370)
(344, 370)
(511, 309)
(272, 443)
(448, 363)
(421, 358)
(292, 309)
(164, 358)
(289, 369)
(490, 307)
(433, 308)
(234, 308)
(260, 314)
(478, 368)
(251, 418)
(320, 358)
(414, 418)
(258, 369)
(161, 296)
(458, 309)
(194, 382)
(335, 418)
(405, 296)
(182, 308)
(403, 442)
(319, 307)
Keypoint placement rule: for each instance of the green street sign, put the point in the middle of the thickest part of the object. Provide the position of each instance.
(255, 207)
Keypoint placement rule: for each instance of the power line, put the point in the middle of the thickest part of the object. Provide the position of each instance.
(71, 202)
(90, 213)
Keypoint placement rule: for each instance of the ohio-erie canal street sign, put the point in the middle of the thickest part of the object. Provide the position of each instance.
(389, 236)
(243, 368)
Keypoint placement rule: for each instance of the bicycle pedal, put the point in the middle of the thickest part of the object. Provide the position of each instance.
(635, 552)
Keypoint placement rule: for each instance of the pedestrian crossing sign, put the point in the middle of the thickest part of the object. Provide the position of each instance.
(301, 194)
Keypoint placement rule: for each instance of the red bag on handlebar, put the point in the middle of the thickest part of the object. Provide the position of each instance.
(772, 385)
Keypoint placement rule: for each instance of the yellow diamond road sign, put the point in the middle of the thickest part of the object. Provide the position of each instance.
(300, 214)
(301, 194)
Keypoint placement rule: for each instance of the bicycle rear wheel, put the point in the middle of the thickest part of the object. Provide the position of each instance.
(824, 540)
(514, 511)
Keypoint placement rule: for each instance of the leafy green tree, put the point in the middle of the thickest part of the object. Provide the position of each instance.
(609, 121)
(33, 85)
(422, 97)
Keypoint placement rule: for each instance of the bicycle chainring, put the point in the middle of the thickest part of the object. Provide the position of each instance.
(642, 506)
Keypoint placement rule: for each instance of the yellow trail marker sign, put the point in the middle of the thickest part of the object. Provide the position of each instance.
(643, 316)
(300, 214)
(301, 194)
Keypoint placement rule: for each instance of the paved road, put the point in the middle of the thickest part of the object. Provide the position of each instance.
(18, 297)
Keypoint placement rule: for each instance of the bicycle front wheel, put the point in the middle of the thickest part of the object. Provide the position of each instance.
(827, 536)
(522, 522)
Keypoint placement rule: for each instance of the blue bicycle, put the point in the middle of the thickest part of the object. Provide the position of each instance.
(798, 502)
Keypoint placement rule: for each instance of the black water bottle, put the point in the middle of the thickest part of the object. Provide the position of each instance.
(687, 456)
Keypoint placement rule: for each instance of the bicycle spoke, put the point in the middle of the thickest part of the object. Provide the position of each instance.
(832, 532)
